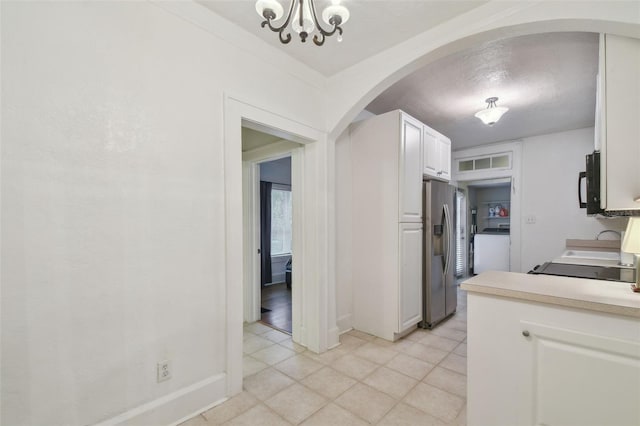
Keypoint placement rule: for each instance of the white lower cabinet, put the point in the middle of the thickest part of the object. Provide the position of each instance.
(410, 288)
(536, 364)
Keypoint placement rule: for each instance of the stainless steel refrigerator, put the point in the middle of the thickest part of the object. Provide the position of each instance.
(439, 293)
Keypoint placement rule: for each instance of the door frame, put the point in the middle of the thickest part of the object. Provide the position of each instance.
(313, 264)
(251, 161)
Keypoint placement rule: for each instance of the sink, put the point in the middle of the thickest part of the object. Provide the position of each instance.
(591, 255)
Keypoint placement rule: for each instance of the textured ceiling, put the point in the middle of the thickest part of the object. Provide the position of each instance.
(548, 81)
(373, 26)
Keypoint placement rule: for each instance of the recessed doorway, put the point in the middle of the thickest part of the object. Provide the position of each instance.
(276, 231)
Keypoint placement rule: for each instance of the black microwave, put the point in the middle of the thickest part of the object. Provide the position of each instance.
(591, 177)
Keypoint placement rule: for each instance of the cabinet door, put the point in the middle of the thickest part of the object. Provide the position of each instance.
(621, 146)
(410, 288)
(444, 147)
(431, 152)
(410, 181)
(566, 363)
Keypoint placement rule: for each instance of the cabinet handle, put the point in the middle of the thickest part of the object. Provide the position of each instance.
(525, 333)
(439, 173)
(637, 199)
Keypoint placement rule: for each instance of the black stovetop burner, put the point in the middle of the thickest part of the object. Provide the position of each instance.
(586, 271)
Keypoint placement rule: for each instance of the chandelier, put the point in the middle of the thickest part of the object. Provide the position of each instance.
(303, 19)
(492, 114)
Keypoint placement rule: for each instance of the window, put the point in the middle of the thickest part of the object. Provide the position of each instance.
(281, 219)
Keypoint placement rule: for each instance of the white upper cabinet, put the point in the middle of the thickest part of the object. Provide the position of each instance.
(618, 122)
(410, 185)
(437, 154)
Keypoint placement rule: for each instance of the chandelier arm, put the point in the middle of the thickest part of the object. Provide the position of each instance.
(319, 41)
(268, 18)
(319, 27)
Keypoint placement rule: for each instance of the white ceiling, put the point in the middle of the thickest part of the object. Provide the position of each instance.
(548, 81)
(373, 26)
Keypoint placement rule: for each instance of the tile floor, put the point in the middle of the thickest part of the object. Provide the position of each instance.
(418, 380)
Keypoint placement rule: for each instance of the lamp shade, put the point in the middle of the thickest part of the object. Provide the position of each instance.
(631, 242)
(491, 115)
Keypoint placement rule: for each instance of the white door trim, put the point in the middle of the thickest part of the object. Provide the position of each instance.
(312, 267)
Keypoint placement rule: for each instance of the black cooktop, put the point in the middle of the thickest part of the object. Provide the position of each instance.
(626, 275)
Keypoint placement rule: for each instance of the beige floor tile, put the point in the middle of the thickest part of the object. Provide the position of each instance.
(434, 401)
(461, 349)
(452, 334)
(361, 335)
(276, 336)
(298, 366)
(401, 345)
(258, 416)
(382, 342)
(328, 357)
(439, 342)
(254, 343)
(329, 382)
(290, 344)
(266, 383)
(417, 335)
(366, 402)
(461, 420)
(229, 409)
(410, 366)
(273, 354)
(196, 421)
(448, 380)
(456, 363)
(375, 353)
(257, 328)
(390, 382)
(354, 366)
(406, 415)
(251, 366)
(426, 353)
(349, 342)
(334, 415)
(296, 403)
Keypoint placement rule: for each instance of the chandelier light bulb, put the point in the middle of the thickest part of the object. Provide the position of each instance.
(269, 5)
(492, 113)
(306, 25)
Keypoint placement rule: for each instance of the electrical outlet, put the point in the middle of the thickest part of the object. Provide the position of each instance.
(164, 370)
(530, 220)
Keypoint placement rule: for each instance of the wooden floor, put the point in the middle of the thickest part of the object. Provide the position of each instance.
(277, 298)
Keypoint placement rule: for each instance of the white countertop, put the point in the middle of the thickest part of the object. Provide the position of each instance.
(595, 295)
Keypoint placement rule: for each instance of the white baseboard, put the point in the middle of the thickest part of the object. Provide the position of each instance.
(176, 407)
(344, 323)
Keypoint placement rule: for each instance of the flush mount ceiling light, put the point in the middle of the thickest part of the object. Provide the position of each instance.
(493, 113)
(303, 19)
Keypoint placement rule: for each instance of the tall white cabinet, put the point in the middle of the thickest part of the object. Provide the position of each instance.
(618, 123)
(386, 173)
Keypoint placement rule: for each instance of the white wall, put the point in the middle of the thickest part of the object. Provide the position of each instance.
(344, 287)
(113, 215)
(550, 167)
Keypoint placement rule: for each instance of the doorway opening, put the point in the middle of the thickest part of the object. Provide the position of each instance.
(271, 217)
(489, 225)
(276, 231)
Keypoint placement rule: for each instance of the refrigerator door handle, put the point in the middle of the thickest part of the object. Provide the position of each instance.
(447, 238)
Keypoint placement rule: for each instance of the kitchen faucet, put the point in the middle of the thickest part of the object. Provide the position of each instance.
(608, 230)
